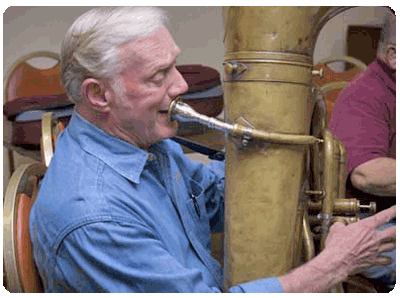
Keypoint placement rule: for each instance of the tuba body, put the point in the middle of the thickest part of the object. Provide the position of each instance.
(267, 84)
(284, 170)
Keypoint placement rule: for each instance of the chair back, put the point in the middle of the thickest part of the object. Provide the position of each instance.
(21, 272)
(331, 82)
(25, 80)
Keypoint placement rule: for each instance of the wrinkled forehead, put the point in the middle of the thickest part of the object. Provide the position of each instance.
(148, 51)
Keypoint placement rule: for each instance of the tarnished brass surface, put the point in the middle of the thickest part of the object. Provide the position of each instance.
(313, 219)
(264, 182)
(267, 82)
(345, 206)
(268, 67)
(244, 130)
(339, 206)
(307, 239)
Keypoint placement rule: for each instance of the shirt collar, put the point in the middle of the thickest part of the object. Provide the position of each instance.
(123, 157)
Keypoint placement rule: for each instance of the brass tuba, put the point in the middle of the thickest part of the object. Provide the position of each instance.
(285, 171)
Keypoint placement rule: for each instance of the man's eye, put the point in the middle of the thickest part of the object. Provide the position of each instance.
(158, 77)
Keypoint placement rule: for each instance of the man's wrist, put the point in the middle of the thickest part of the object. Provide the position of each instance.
(318, 275)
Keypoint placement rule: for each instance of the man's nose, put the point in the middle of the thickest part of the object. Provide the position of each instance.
(179, 85)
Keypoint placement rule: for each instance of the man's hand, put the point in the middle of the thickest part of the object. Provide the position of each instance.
(361, 242)
(348, 249)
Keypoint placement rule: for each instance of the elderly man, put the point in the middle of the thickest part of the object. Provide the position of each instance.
(121, 209)
(364, 119)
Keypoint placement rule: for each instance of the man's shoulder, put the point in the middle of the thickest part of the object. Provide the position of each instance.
(365, 88)
(72, 192)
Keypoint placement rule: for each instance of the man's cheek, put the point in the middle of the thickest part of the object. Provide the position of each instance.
(132, 89)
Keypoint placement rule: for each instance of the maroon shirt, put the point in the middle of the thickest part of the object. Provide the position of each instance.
(364, 117)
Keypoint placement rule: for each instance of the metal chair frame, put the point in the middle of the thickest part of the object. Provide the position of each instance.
(50, 131)
(19, 183)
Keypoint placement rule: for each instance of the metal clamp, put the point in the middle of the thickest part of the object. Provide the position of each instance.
(246, 137)
(234, 69)
(324, 217)
(318, 72)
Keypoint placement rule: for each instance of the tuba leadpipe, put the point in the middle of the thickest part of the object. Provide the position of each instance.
(184, 113)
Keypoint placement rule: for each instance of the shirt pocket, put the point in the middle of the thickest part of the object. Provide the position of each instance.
(196, 201)
(196, 206)
(206, 201)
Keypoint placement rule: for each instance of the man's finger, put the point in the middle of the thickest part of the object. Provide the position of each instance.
(383, 217)
(388, 234)
(384, 261)
(337, 225)
(386, 247)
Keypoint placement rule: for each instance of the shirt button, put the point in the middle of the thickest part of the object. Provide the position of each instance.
(151, 157)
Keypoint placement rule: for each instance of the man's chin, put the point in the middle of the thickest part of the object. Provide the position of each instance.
(169, 131)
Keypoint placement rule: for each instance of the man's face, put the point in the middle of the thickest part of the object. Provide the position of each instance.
(148, 86)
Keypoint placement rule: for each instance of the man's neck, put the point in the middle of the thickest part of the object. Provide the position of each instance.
(106, 123)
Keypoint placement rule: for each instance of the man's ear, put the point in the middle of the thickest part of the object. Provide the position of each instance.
(96, 95)
(391, 57)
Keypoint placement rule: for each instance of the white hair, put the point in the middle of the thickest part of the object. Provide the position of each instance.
(388, 34)
(90, 46)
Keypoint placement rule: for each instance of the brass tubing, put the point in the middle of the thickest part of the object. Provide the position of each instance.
(330, 184)
(184, 113)
(342, 170)
(298, 242)
(339, 206)
(313, 219)
(308, 242)
(278, 138)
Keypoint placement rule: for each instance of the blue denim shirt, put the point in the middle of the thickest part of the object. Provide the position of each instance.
(111, 217)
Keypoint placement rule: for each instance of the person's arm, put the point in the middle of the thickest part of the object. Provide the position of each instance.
(376, 176)
(348, 249)
(318, 275)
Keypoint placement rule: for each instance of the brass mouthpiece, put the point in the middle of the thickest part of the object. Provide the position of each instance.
(184, 113)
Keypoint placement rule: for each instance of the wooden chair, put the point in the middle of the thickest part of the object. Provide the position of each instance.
(332, 82)
(20, 269)
(25, 80)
